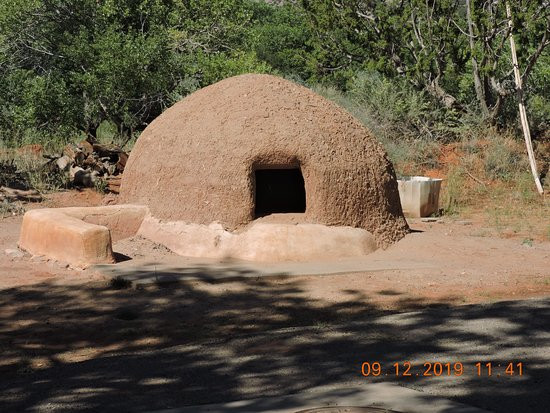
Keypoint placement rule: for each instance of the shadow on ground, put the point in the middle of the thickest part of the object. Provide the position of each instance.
(96, 348)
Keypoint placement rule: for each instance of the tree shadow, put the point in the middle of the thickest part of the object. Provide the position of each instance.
(94, 348)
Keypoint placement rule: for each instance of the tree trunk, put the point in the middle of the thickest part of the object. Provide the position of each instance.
(435, 89)
(522, 111)
(478, 84)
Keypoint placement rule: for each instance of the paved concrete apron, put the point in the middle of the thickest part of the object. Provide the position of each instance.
(144, 271)
(340, 399)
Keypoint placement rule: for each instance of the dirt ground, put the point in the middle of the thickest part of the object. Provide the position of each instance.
(51, 313)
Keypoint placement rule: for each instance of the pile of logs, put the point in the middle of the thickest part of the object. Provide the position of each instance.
(89, 162)
(86, 164)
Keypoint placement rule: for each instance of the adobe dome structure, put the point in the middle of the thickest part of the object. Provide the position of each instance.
(254, 145)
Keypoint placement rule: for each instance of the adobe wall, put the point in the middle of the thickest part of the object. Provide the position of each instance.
(195, 163)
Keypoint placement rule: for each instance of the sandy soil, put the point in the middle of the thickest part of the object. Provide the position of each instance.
(50, 312)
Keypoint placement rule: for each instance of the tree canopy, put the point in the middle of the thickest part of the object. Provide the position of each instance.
(66, 67)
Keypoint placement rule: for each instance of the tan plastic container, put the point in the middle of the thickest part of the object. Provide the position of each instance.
(419, 195)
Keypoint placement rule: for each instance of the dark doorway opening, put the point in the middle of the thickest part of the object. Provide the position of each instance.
(279, 191)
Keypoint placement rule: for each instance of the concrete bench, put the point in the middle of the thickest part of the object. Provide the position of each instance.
(77, 235)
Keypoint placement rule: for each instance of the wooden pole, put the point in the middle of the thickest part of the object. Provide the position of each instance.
(522, 111)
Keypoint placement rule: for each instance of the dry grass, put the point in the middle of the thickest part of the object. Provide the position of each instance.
(487, 178)
(29, 170)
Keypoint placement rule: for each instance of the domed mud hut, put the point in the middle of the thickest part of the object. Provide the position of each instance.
(254, 146)
(254, 168)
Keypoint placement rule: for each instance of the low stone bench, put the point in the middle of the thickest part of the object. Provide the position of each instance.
(79, 236)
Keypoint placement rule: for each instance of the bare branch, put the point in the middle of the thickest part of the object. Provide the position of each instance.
(416, 31)
(462, 31)
(545, 41)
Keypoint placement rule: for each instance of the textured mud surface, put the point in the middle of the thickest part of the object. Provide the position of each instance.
(196, 162)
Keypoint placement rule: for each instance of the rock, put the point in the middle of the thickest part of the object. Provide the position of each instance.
(110, 168)
(464, 222)
(70, 151)
(89, 161)
(80, 157)
(14, 253)
(121, 163)
(429, 219)
(114, 184)
(83, 177)
(86, 147)
(54, 264)
(63, 163)
(74, 170)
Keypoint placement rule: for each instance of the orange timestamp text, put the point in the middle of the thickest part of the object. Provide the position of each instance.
(437, 369)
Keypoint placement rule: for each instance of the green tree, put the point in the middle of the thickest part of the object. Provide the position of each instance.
(445, 47)
(281, 37)
(414, 39)
(77, 63)
(488, 34)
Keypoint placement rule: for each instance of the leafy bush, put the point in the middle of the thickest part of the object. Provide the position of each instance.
(281, 39)
(538, 94)
(400, 111)
(67, 67)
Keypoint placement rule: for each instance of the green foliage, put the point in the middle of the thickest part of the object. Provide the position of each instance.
(68, 67)
(402, 118)
(525, 190)
(281, 38)
(41, 176)
(71, 65)
(398, 110)
(428, 44)
(28, 171)
(214, 68)
(101, 186)
(538, 95)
